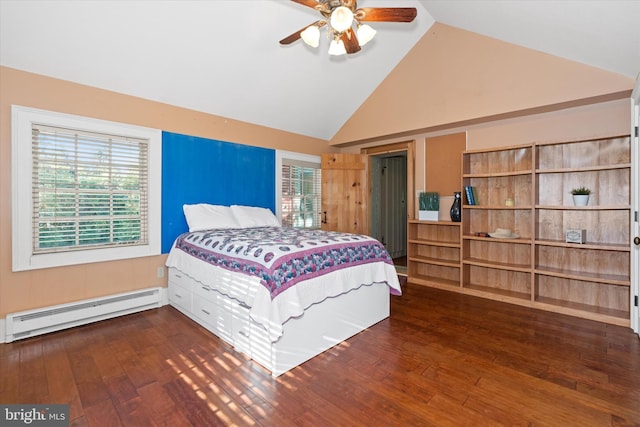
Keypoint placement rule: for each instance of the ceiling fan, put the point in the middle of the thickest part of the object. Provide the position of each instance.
(342, 16)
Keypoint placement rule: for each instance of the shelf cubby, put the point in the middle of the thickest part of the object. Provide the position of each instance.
(497, 279)
(588, 296)
(498, 252)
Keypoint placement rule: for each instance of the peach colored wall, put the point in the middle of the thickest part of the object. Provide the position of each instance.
(603, 119)
(442, 175)
(453, 76)
(38, 288)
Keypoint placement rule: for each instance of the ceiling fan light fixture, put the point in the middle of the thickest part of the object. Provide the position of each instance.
(311, 35)
(337, 47)
(365, 33)
(341, 18)
(344, 21)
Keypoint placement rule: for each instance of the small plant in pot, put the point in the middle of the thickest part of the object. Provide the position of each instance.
(581, 196)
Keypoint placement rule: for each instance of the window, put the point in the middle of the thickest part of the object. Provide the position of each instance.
(299, 190)
(84, 190)
(89, 189)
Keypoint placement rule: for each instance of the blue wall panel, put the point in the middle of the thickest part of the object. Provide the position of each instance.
(200, 170)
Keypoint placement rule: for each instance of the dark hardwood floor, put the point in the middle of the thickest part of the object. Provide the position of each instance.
(441, 359)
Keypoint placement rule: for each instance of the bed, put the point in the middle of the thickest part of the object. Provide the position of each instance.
(278, 295)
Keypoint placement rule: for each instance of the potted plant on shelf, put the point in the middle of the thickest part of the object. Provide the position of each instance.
(581, 196)
(429, 206)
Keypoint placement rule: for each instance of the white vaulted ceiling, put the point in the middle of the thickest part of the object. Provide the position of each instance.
(223, 57)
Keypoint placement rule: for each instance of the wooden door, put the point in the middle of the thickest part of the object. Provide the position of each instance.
(344, 201)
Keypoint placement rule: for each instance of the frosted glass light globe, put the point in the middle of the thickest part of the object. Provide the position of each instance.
(311, 36)
(337, 47)
(365, 33)
(341, 18)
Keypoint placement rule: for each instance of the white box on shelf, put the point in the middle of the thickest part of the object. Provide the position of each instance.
(428, 215)
(574, 235)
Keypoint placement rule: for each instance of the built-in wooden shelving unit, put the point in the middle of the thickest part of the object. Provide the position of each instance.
(538, 267)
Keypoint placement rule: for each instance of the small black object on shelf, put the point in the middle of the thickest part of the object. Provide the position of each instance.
(456, 207)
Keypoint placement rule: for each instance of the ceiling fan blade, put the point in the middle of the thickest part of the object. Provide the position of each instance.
(351, 44)
(386, 14)
(291, 38)
(295, 36)
(313, 4)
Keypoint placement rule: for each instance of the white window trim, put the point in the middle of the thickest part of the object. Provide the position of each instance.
(21, 175)
(280, 155)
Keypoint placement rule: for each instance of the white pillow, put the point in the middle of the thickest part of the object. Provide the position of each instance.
(249, 216)
(203, 216)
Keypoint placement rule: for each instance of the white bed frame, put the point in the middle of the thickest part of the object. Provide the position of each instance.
(322, 325)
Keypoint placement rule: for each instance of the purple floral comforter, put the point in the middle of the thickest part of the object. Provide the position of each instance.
(281, 257)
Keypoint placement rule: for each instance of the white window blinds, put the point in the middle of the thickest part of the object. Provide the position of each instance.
(89, 190)
(301, 193)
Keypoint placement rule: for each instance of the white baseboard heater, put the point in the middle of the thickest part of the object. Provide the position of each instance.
(49, 319)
